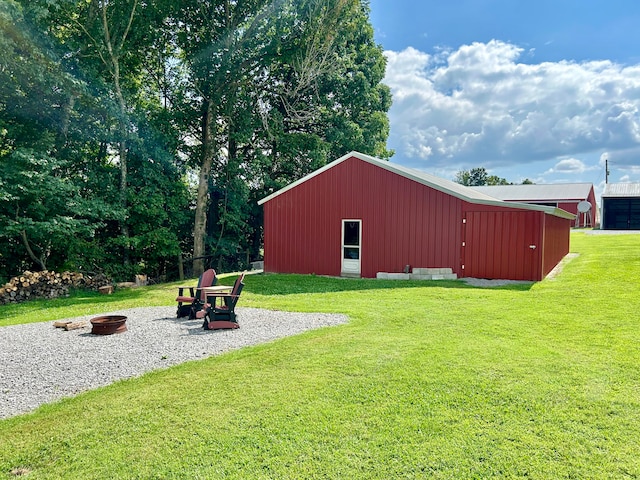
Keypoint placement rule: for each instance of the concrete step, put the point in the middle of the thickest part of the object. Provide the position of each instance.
(393, 276)
(432, 271)
(442, 276)
(414, 276)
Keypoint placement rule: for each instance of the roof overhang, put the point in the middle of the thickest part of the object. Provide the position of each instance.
(446, 186)
(621, 190)
(532, 193)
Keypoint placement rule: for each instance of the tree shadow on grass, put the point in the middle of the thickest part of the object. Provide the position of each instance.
(291, 284)
(259, 284)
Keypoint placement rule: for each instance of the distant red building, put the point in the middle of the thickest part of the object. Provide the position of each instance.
(570, 197)
(359, 215)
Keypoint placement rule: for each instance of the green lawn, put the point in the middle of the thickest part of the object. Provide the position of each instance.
(428, 380)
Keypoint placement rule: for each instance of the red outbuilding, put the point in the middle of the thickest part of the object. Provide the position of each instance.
(359, 215)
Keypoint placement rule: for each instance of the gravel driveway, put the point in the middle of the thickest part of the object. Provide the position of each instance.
(40, 363)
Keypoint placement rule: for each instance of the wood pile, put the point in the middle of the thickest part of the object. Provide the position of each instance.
(69, 325)
(47, 284)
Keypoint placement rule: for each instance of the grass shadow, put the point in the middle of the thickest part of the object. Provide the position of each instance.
(255, 283)
(291, 284)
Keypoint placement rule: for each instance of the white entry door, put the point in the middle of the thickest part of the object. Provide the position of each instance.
(351, 252)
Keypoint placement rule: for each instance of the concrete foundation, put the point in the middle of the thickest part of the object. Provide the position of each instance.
(420, 274)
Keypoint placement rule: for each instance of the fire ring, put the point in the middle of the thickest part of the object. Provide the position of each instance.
(108, 324)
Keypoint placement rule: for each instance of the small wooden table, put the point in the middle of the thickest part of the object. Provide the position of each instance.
(217, 289)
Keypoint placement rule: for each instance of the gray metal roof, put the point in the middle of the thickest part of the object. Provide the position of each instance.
(551, 192)
(621, 190)
(446, 186)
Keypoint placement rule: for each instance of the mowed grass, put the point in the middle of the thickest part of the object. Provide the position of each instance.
(428, 380)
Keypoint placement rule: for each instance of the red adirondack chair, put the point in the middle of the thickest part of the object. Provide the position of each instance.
(189, 304)
(219, 311)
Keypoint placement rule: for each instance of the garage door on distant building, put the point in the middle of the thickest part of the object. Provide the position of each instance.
(621, 206)
(622, 214)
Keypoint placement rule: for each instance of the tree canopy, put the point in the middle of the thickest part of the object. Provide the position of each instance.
(477, 177)
(133, 132)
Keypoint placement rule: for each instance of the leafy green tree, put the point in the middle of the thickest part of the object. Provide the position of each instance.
(129, 98)
(284, 87)
(42, 207)
(100, 31)
(41, 213)
(65, 91)
(226, 46)
(159, 203)
(478, 177)
(495, 180)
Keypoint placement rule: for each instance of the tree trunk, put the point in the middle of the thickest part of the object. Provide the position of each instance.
(114, 47)
(65, 120)
(202, 199)
(32, 255)
(124, 227)
(123, 152)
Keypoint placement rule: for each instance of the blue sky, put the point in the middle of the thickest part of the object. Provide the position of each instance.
(544, 90)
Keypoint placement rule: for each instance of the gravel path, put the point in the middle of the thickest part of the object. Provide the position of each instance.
(40, 363)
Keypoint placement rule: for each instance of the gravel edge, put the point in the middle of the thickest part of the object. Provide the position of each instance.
(40, 363)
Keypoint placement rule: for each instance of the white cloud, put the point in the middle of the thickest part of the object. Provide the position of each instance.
(477, 106)
(571, 165)
(631, 171)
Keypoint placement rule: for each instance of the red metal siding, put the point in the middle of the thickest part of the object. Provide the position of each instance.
(591, 198)
(409, 224)
(571, 207)
(498, 243)
(555, 242)
(403, 223)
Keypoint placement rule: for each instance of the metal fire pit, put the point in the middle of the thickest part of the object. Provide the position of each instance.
(108, 324)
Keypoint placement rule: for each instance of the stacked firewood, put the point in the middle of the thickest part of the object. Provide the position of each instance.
(47, 284)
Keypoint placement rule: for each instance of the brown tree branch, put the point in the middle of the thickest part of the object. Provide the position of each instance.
(32, 256)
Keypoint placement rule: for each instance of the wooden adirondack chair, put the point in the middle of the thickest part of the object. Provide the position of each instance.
(189, 304)
(219, 311)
